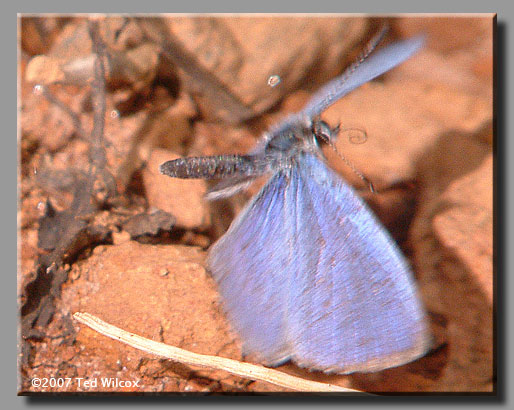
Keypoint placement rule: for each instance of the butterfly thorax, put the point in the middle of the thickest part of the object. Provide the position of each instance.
(287, 145)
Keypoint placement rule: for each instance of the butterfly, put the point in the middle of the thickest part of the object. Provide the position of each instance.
(306, 272)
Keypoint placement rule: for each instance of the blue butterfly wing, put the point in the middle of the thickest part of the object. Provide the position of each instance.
(352, 301)
(250, 264)
(356, 75)
(306, 272)
(376, 64)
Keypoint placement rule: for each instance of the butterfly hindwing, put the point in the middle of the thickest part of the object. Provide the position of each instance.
(248, 264)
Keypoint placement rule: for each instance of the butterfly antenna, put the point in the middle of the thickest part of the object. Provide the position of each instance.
(372, 44)
(345, 160)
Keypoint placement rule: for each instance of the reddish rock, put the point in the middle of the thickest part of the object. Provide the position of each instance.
(243, 52)
(182, 198)
(450, 34)
(465, 227)
(401, 119)
(124, 286)
(45, 122)
(452, 241)
(38, 33)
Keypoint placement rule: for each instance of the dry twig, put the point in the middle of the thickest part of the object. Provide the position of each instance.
(246, 370)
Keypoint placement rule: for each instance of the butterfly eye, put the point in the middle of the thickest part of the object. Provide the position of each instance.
(323, 133)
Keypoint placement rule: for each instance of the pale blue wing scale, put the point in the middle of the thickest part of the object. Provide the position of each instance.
(376, 64)
(249, 264)
(352, 300)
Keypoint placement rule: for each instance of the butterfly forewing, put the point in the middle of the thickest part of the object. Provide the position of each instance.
(376, 64)
(352, 303)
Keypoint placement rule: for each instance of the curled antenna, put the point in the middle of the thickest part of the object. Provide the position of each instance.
(329, 141)
(355, 135)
